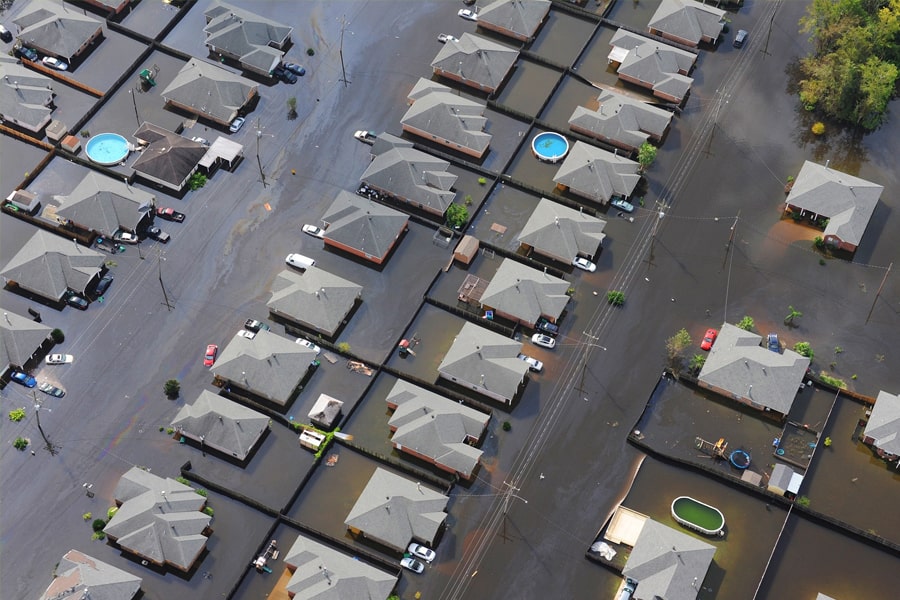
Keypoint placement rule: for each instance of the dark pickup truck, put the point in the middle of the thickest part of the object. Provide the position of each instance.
(254, 325)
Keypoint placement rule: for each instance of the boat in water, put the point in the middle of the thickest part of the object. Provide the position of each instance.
(698, 516)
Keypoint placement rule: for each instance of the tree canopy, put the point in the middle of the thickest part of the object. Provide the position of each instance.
(853, 73)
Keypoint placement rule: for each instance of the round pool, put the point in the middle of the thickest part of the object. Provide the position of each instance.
(549, 146)
(107, 149)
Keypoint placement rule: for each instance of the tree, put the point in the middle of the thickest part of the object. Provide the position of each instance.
(457, 215)
(646, 155)
(675, 347)
(57, 336)
(746, 323)
(171, 388)
(16, 414)
(793, 314)
(804, 349)
(615, 297)
(697, 362)
(292, 108)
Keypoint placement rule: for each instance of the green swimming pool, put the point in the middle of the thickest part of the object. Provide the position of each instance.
(698, 516)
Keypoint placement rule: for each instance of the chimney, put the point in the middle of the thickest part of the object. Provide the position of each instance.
(827, 162)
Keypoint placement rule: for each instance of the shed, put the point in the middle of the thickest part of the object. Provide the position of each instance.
(326, 411)
(466, 249)
(24, 201)
(784, 481)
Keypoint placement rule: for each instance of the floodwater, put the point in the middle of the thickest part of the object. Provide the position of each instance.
(633, 12)
(562, 37)
(528, 169)
(528, 87)
(509, 208)
(570, 94)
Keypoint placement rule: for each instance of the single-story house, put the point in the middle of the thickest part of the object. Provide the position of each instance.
(363, 228)
(621, 121)
(518, 19)
(656, 66)
(476, 62)
(54, 30)
(882, 431)
(105, 205)
(523, 295)
(560, 233)
(209, 91)
(596, 174)
(315, 300)
(22, 342)
(217, 423)
(168, 159)
(687, 22)
(81, 577)
(257, 43)
(28, 100)
(444, 117)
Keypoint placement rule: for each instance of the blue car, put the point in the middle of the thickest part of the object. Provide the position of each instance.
(23, 378)
(772, 343)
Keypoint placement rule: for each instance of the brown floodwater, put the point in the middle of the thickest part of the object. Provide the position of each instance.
(562, 37)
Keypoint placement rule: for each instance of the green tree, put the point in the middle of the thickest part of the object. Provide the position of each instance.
(697, 362)
(615, 297)
(746, 323)
(57, 336)
(16, 415)
(792, 314)
(675, 347)
(646, 155)
(804, 349)
(457, 215)
(171, 388)
(292, 108)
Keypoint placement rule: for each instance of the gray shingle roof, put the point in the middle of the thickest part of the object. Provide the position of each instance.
(246, 35)
(363, 225)
(19, 338)
(163, 527)
(781, 476)
(847, 201)
(25, 96)
(474, 58)
(104, 204)
(688, 20)
(54, 29)
(443, 114)
(884, 423)
(83, 577)
(436, 426)
(321, 572)
(48, 265)
(394, 510)
(562, 232)
(168, 157)
(621, 119)
(268, 365)
(209, 90)
(315, 298)
(738, 364)
(655, 63)
(412, 175)
(526, 293)
(222, 424)
(667, 563)
(597, 174)
(486, 360)
(521, 17)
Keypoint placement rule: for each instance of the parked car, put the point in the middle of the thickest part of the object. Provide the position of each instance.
(412, 564)
(76, 301)
(299, 261)
(169, 214)
(59, 359)
(309, 345)
(366, 137)
(446, 37)
(246, 334)
(533, 363)
(26, 53)
(236, 124)
(468, 14)
(51, 389)
(5, 34)
(468, 2)
(314, 231)
(584, 264)
(283, 74)
(295, 69)
(544, 340)
(740, 37)
(708, 339)
(628, 589)
(126, 237)
(155, 233)
(772, 343)
(547, 327)
(421, 552)
(23, 378)
(200, 140)
(255, 326)
(209, 358)
(103, 284)
(622, 204)
(55, 63)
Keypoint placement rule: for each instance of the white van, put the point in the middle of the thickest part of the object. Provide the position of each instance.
(299, 261)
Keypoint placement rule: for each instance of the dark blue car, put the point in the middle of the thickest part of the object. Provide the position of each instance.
(772, 343)
(23, 378)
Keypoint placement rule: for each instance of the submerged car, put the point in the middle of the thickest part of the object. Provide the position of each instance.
(708, 339)
(740, 37)
(772, 343)
(421, 552)
(547, 327)
(23, 378)
(622, 204)
(412, 564)
(26, 53)
(104, 284)
(299, 261)
(255, 326)
(314, 231)
(544, 340)
(126, 237)
(366, 137)
(584, 264)
(59, 359)
(155, 233)
(295, 69)
(533, 363)
(236, 125)
(246, 334)
(209, 358)
(52, 390)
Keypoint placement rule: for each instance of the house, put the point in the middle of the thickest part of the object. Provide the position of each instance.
(159, 520)
(223, 153)
(667, 563)
(653, 65)
(476, 62)
(687, 22)
(522, 294)
(485, 362)
(22, 342)
(441, 116)
(81, 577)
(436, 429)
(168, 159)
(847, 203)
(257, 43)
(882, 431)
(518, 19)
(54, 30)
(209, 91)
(315, 300)
(269, 366)
(410, 176)
(393, 511)
(621, 121)
(319, 572)
(784, 481)
(561, 233)
(325, 412)
(51, 266)
(217, 423)
(27, 102)
(105, 205)
(596, 174)
(363, 228)
(114, 7)
(739, 368)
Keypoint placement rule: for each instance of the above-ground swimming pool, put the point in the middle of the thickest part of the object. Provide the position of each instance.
(549, 146)
(107, 149)
(698, 516)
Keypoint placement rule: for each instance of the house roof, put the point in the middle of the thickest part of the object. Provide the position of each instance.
(597, 174)
(668, 563)
(222, 423)
(83, 577)
(622, 119)
(412, 175)
(476, 59)
(739, 365)
(436, 426)
(209, 90)
(105, 205)
(781, 476)
(884, 423)
(159, 518)
(27, 96)
(55, 29)
(315, 297)
(326, 410)
(269, 365)
(247, 35)
(363, 225)
(321, 572)
(847, 201)
(49, 265)
(168, 156)
(394, 510)
(526, 293)
(655, 63)
(443, 114)
(490, 360)
(560, 231)
(19, 338)
(688, 20)
(521, 17)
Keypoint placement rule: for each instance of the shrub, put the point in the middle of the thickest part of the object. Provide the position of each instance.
(57, 336)
(170, 430)
(16, 415)
(697, 362)
(98, 535)
(85, 133)
(803, 501)
(183, 481)
(87, 516)
(457, 215)
(344, 347)
(819, 243)
(675, 347)
(98, 524)
(202, 492)
(197, 181)
(833, 381)
(111, 512)
(468, 200)
(804, 349)
(615, 297)
(482, 180)
(171, 388)
(838, 350)
(746, 323)
(310, 52)
(208, 510)
(20, 443)
(818, 128)
(507, 425)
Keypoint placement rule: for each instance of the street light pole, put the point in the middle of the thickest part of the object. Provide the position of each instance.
(584, 360)
(159, 260)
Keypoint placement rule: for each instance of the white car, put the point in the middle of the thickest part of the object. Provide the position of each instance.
(366, 137)
(446, 37)
(125, 237)
(541, 339)
(421, 552)
(236, 124)
(467, 14)
(314, 231)
(584, 264)
(59, 359)
(412, 564)
(246, 334)
(200, 140)
(533, 363)
(309, 345)
(54, 63)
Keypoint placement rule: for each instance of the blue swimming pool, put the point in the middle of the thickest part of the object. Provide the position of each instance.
(107, 149)
(549, 146)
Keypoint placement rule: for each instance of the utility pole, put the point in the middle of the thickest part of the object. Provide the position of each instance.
(731, 238)
(51, 448)
(659, 206)
(341, 53)
(134, 101)
(580, 387)
(259, 134)
(880, 287)
(765, 50)
(509, 493)
(159, 260)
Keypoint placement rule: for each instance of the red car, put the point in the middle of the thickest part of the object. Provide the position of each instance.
(211, 351)
(708, 339)
(169, 214)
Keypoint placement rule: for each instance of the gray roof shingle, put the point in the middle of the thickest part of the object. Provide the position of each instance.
(688, 20)
(104, 204)
(597, 174)
(209, 90)
(668, 563)
(561, 232)
(168, 157)
(49, 265)
(486, 360)
(443, 114)
(656, 64)
(884, 423)
(222, 424)
(246, 35)
(19, 339)
(521, 18)
(25, 96)
(315, 298)
(363, 225)
(52, 28)
(477, 59)
(621, 119)
(526, 293)
(320, 572)
(83, 577)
